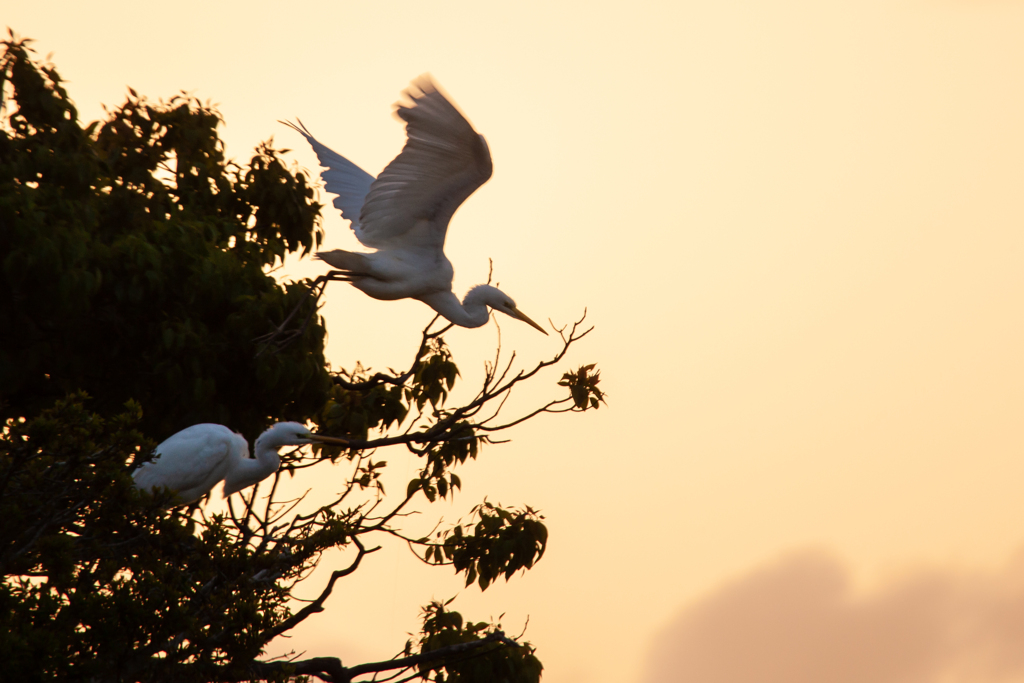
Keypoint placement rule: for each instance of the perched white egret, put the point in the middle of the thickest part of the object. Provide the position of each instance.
(195, 459)
(404, 213)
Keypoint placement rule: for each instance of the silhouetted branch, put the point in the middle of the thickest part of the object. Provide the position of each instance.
(331, 669)
(318, 604)
(281, 336)
(381, 378)
(495, 387)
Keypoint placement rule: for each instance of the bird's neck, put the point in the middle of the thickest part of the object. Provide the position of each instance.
(249, 471)
(467, 313)
(267, 458)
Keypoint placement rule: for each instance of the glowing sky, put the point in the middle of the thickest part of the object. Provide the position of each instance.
(797, 226)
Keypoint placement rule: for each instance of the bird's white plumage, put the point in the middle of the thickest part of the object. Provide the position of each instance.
(443, 162)
(194, 460)
(404, 213)
(350, 183)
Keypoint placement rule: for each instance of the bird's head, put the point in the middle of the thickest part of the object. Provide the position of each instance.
(499, 301)
(293, 434)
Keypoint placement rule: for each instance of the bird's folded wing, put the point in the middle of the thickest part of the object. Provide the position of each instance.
(188, 458)
(341, 177)
(443, 162)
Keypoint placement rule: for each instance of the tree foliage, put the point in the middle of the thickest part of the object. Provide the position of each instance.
(133, 262)
(133, 278)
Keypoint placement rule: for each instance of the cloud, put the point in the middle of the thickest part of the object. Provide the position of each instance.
(798, 621)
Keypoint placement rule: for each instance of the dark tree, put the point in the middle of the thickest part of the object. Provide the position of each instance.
(135, 301)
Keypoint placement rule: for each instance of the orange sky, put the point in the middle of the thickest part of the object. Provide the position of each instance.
(797, 226)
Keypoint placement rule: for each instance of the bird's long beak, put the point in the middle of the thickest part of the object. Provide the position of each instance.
(320, 438)
(526, 319)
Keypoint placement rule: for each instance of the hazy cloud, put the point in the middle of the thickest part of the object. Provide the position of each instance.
(798, 621)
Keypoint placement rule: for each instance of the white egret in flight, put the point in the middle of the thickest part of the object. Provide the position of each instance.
(404, 213)
(195, 459)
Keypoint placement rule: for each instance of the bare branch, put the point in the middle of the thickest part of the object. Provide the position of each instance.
(459, 650)
(281, 336)
(318, 604)
(331, 669)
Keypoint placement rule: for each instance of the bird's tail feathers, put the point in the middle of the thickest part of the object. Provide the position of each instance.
(350, 262)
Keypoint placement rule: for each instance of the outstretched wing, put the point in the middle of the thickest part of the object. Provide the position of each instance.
(443, 162)
(342, 178)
